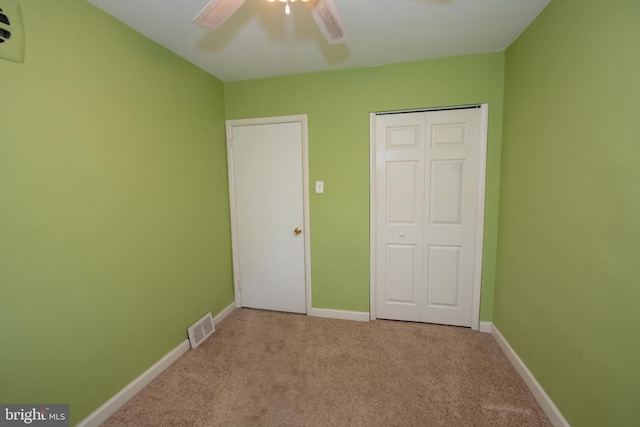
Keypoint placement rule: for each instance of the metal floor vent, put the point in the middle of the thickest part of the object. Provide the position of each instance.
(200, 331)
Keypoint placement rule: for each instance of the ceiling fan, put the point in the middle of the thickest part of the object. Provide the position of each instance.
(324, 12)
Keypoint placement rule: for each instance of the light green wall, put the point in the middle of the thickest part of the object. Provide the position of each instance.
(338, 104)
(114, 224)
(568, 276)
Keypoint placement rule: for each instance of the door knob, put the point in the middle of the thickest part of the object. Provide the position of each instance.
(297, 230)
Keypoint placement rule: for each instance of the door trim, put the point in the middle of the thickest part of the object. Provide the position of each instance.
(482, 174)
(303, 120)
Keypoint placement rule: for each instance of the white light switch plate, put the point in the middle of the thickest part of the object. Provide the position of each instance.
(319, 187)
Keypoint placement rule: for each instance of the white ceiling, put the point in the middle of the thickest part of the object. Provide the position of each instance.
(259, 40)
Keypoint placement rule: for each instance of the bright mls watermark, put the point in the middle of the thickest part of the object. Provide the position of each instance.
(34, 415)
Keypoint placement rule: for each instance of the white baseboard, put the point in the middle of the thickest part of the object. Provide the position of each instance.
(123, 396)
(485, 327)
(545, 402)
(224, 313)
(101, 414)
(359, 316)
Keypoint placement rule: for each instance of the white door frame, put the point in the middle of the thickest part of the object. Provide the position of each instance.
(482, 174)
(230, 124)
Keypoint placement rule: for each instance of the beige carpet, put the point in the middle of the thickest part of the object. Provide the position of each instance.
(263, 368)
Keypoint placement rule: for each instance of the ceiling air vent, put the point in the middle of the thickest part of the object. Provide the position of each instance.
(328, 19)
(216, 12)
(11, 32)
(200, 330)
(4, 35)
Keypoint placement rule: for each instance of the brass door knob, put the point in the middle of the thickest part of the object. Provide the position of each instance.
(297, 230)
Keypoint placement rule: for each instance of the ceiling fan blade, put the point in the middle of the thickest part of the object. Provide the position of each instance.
(326, 15)
(216, 13)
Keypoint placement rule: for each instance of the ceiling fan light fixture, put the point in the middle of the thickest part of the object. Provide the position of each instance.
(326, 15)
(216, 13)
(287, 9)
(324, 12)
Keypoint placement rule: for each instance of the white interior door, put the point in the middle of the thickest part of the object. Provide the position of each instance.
(427, 176)
(268, 221)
